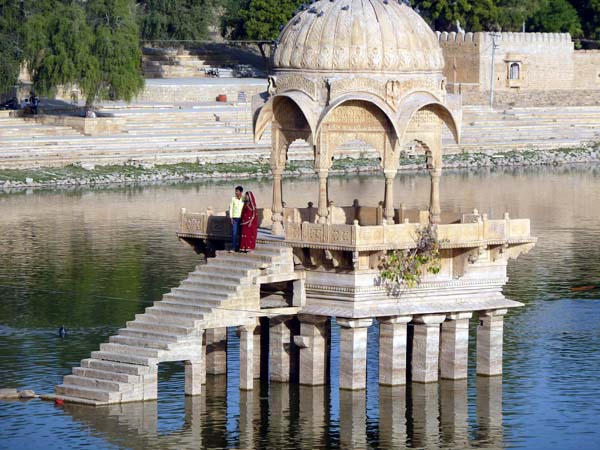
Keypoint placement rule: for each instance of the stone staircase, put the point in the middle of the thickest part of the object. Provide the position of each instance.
(216, 132)
(224, 292)
(180, 63)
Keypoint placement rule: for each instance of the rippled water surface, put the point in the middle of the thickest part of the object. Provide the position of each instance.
(92, 259)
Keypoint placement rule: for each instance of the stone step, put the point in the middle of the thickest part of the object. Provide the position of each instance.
(151, 335)
(88, 393)
(194, 298)
(114, 366)
(220, 276)
(105, 375)
(199, 290)
(176, 316)
(188, 308)
(140, 342)
(124, 358)
(214, 265)
(130, 350)
(151, 325)
(210, 284)
(96, 383)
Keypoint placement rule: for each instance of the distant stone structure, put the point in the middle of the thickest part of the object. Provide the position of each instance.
(532, 69)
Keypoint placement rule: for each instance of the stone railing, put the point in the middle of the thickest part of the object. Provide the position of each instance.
(465, 230)
(403, 235)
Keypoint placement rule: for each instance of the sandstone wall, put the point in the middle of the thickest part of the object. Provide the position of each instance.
(587, 69)
(545, 60)
(532, 98)
(462, 56)
(194, 93)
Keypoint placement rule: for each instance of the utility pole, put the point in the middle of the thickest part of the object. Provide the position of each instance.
(494, 47)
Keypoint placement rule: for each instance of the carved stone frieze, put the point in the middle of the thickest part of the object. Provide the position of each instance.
(358, 84)
(297, 83)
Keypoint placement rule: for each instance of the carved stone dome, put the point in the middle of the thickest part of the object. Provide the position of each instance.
(358, 36)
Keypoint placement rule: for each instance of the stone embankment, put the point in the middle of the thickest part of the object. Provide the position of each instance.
(76, 175)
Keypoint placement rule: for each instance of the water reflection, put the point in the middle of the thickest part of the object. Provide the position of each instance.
(92, 259)
(417, 416)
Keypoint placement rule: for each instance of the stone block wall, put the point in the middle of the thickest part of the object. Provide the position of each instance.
(587, 69)
(193, 93)
(462, 56)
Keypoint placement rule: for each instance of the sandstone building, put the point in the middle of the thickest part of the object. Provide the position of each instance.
(529, 68)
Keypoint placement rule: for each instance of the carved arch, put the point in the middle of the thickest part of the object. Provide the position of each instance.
(266, 114)
(367, 119)
(417, 101)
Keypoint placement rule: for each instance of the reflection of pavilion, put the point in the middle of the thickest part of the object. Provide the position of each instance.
(344, 70)
(424, 416)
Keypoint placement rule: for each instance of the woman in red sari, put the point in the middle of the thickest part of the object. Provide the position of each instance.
(249, 222)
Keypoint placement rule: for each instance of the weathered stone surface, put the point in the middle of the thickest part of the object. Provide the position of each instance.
(454, 350)
(426, 345)
(392, 350)
(353, 353)
(7, 394)
(490, 333)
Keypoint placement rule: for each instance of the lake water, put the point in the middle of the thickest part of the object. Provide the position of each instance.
(91, 259)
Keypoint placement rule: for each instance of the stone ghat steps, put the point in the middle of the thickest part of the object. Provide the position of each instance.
(125, 368)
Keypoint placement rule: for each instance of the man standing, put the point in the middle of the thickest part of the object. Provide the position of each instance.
(235, 213)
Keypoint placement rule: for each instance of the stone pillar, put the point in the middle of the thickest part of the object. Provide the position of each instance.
(489, 342)
(314, 349)
(425, 414)
(193, 377)
(353, 353)
(434, 203)
(388, 212)
(216, 351)
(280, 337)
(426, 347)
(246, 357)
(150, 383)
(353, 420)
(454, 413)
(257, 351)
(322, 210)
(195, 412)
(454, 353)
(392, 416)
(277, 209)
(392, 350)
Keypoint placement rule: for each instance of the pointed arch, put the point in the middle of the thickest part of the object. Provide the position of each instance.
(265, 114)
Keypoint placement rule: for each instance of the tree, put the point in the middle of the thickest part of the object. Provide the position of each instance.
(12, 43)
(93, 44)
(59, 47)
(473, 15)
(175, 19)
(589, 13)
(556, 16)
(514, 13)
(116, 49)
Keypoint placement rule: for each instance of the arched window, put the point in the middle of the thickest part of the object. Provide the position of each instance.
(515, 71)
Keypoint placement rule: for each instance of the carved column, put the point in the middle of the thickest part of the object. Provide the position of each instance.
(392, 350)
(434, 203)
(323, 211)
(389, 196)
(353, 353)
(489, 342)
(277, 217)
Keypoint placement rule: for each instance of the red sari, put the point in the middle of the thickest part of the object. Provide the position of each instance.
(249, 222)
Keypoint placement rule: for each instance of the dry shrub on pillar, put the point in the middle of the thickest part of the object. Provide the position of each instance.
(404, 268)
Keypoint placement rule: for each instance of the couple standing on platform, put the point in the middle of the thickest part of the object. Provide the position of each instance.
(244, 221)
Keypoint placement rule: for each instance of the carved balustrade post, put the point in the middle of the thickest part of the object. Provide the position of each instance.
(388, 212)
(277, 217)
(323, 211)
